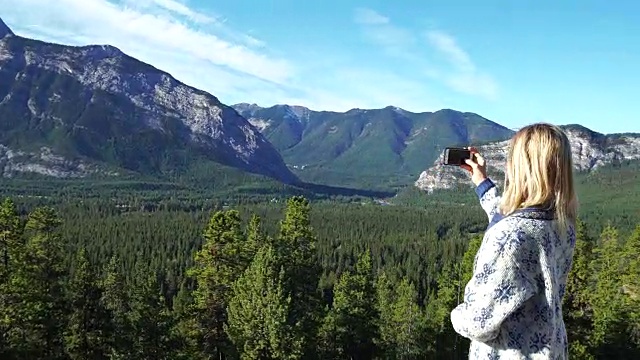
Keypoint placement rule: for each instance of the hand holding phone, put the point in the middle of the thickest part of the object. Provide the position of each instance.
(468, 159)
(456, 156)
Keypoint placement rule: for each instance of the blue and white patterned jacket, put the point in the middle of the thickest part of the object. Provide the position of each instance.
(512, 306)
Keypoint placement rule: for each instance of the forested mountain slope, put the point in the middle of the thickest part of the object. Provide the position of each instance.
(366, 147)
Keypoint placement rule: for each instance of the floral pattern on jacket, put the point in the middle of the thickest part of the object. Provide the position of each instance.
(512, 306)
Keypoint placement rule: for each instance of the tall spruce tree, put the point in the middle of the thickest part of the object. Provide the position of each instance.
(258, 312)
(35, 315)
(449, 296)
(384, 305)
(223, 257)
(350, 330)
(88, 331)
(150, 318)
(184, 324)
(11, 250)
(448, 344)
(255, 237)
(404, 333)
(115, 299)
(296, 253)
(468, 259)
(10, 238)
(451, 282)
(631, 286)
(577, 311)
(609, 324)
(408, 324)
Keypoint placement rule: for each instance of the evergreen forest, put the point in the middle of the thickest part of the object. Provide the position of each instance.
(292, 279)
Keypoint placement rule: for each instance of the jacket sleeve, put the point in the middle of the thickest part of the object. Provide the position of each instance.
(487, 192)
(498, 288)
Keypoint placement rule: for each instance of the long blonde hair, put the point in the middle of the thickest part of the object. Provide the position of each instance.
(540, 173)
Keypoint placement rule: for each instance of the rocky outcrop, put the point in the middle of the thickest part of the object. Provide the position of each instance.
(590, 149)
(45, 162)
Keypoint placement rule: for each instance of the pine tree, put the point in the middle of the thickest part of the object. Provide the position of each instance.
(449, 292)
(631, 285)
(258, 312)
(218, 264)
(609, 329)
(11, 249)
(465, 271)
(184, 324)
(255, 237)
(87, 334)
(10, 238)
(451, 282)
(351, 325)
(576, 307)
(115, 299)
(296, 253)
(150, 318)
(408, 324)
(384, 305)
(468, 259)
(35, 312)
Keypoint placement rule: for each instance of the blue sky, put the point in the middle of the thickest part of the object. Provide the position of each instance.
(514, 62)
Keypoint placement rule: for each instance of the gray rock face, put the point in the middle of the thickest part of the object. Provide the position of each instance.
(590, 150)
(45, 162)
(155, 95)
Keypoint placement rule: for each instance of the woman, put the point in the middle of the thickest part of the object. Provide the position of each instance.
(512, 306)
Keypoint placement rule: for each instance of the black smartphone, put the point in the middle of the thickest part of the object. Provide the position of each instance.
(455, 156)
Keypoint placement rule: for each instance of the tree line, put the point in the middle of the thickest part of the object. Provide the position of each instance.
(248, 292)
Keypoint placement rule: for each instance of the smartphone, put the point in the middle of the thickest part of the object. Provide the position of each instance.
(456, 156)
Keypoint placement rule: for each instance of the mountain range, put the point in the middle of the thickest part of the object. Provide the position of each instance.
(366, 146)
(93, 111)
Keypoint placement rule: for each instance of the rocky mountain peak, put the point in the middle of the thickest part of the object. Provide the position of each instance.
(4, 29)
(299, 111)
(246, 107)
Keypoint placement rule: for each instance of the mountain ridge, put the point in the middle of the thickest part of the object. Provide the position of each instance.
(96, 103)
(364, 144)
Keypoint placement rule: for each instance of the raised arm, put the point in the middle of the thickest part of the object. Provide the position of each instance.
(489, 199)
(485, 188)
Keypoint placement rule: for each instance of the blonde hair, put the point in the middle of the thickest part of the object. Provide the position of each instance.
(540, 173)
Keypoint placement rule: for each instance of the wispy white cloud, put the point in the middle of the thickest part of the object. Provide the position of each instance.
(460, 74)
(379, 29)
(140, 33)
(463, 75)
(181, 9)
(369, 17)
(446, 44)
(204, 50)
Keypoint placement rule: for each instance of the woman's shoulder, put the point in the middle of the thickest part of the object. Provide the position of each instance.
(520, 229)
(529, 221)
